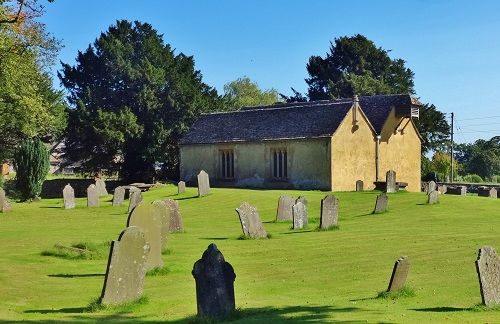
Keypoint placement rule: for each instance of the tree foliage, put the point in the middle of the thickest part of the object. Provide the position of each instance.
(481, 157)
(133, 98)
(441, 164)
(243, 92)
(433, 128)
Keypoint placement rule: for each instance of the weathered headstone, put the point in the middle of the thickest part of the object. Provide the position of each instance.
(329, 212)
(359, 185)
(147, 217)
(301, 199)
(431, 186)
(126, 268)
(5, 205)
(214, 284)
(399, 274)
(285, 204)
(203, 184)
(175, 215)
(101, 187)
(300, 219)
(135, 197)
(442, 189)
(164, 211)
(487, 192)
(381, 204)
(69, 197)
(488, 271)
(251, 224)
(92, 196)
(433, 197)
(390, 181)
(456, 190)
(118, 196)
(181, 187)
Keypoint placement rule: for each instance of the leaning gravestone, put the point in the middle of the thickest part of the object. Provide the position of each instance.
(5, 206)
(488, 271)
(329, 212)
(285, 204)
(431, 186)
(164, 212)
(135, 197)
(118, 196)
(381, 204)
(101, 187)
(390, 181)
(181, 187)
(399, 274)
(251, 224)
(359, 185)
(147, 217)
(299, 215)
(214, 284)
(126, 268)
(433, 197)
(203, 184)
(69, 197)
(92, 196)
(175, 224)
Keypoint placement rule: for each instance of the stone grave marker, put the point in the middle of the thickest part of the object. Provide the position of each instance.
(329, 212)
(203, 184)
(442, 189)
(149, 219)
(69, 197)
(301, 199)
(181, 187)
(359, 185)
(456, 190)
(390, 181)
(433, 197)
(164, 212)
(118, 196)
(5, 205)
(175, 215)
(488, 271)
(299, 215)
(92, 196)
(487, 192)
(101, 187)
(285, 204)
(214, 284)
(381, 204)
(126, 268)
(135, 198)
(251, 224)
(399, 274)
(431, 186)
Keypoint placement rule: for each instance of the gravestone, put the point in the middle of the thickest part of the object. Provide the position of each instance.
(251, 224)
(101, 187)
(329, 212)
(118, 196)
(126, 268)
(5, 205)
(135, 198)
(487, 192)
(92, 196)
(456, 190)
(285, 204)
(301, 199)
(433, 197)
(164, 212)
(390, 181)
(299, 215)
(431, 186)
(175, 215)
(147, 217)
(214, 284)
(399, 274)
(203, 184)
(359, 185)
(381, 204)
(181, 187)
(442, 189)
(69, 197)
(488, 271)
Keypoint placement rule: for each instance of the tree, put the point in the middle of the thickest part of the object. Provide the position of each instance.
(441, 164)
(243, 92)
(481, 157)
(433, 128)
(32, 164)
(132, 100)
(355, 66)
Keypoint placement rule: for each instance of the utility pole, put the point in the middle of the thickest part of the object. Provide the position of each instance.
(452, 147)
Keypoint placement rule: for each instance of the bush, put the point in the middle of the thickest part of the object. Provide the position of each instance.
(474, 178)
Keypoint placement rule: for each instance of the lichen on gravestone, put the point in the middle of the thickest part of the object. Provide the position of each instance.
(251, 224)
(329, 212)
(399, 273)
(284, 211)
(488, 271)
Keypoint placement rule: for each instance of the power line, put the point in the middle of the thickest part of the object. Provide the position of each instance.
(479, 118)
(466, 126)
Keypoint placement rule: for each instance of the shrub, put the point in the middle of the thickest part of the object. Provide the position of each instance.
(474, 178)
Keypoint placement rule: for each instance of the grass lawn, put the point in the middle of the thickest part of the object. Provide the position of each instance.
(296, 276)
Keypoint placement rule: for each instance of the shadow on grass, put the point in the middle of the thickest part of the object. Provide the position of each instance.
(62, 275)
(443, 309)
(214, 238)
(297, 232)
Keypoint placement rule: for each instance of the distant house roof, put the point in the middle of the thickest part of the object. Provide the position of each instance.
(316, 119)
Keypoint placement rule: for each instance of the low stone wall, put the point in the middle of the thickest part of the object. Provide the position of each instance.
(54, 188)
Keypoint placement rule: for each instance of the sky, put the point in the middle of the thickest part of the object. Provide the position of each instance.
(452, 46)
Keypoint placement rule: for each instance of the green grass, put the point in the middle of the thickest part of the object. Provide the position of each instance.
(297, 276)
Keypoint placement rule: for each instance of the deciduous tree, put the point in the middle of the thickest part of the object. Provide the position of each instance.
(243, 92)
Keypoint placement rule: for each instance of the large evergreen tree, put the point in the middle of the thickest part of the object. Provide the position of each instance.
(133, 98)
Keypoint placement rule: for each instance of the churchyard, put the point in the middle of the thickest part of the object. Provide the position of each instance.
(295, 275)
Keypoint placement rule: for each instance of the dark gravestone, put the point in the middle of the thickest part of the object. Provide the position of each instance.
(285, 204)
(456, 190)
(126, 268)
(147, 217)
(390, 180)
(101, 187)
(69, 197)
(5, 205)
(488, 271)
(399, 274)
(300, 219)
(329, 212)
(431, 186)
(164, 211)
(251, 224)
(487, 192)
(175, 224)
(214, 284)
(118, 196)
(203, 184)
(359, 185)
(135, 198)
(381, 204)
(181, 187)
(92, 196)
(433, 197)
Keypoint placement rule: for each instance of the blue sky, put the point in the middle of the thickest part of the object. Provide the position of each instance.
(453, 47)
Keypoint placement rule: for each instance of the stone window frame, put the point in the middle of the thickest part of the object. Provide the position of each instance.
(279, 164)
(226, 159)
